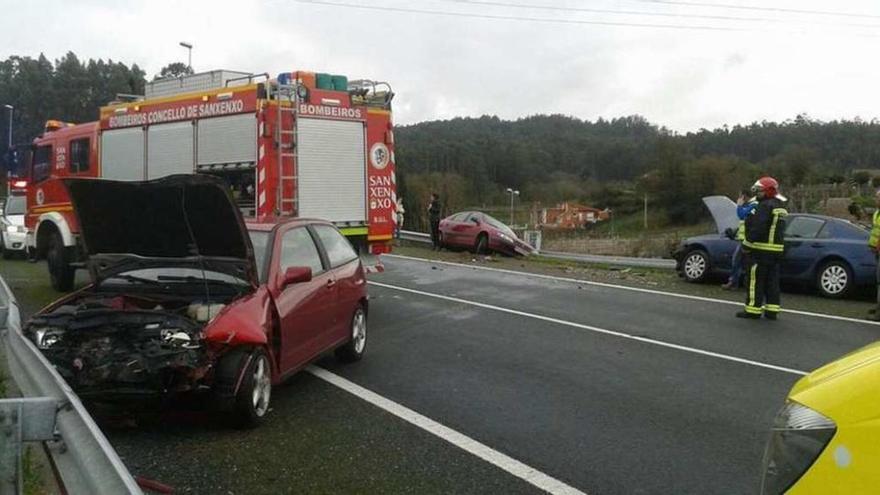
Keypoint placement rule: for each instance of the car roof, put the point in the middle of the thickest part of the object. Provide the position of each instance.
(271, 222)
(820, 217)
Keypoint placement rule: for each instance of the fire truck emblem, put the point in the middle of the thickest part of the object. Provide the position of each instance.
(379, 156)
(41, 197)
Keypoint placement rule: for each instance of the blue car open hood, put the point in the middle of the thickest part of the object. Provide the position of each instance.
(723, 211)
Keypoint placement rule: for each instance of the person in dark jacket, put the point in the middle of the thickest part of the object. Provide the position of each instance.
(434, 218)
(765, 231)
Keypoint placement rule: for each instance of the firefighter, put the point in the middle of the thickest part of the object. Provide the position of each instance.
(434, 217)
(765, 228)
(873, 242)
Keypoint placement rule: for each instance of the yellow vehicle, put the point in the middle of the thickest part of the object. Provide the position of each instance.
(826, 439)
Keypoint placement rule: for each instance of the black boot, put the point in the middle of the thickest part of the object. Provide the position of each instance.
(770, 315)
(747, 315)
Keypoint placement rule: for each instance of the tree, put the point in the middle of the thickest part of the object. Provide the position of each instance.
(70, 89)
(174, 69)
(861, 178)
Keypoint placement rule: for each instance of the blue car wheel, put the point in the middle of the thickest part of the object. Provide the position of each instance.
(834, 279)
(695, 266)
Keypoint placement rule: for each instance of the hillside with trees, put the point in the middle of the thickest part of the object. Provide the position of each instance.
(549, 158)
(67, 89)
(616, 163)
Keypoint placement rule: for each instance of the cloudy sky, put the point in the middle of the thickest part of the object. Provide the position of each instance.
(717, 66)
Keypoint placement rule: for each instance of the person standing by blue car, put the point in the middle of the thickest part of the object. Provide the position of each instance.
(744, 207)
(765, 246)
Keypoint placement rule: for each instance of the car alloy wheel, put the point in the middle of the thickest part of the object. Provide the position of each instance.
(262, 390)
(359, 331)
(834, 280)
(695, 266)
(353, 350)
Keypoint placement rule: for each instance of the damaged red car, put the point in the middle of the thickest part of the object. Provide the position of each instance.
(186, 298)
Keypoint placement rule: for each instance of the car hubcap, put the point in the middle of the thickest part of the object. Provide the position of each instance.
(359, 331)
(262, 386)
(834, 279)
(694, 266)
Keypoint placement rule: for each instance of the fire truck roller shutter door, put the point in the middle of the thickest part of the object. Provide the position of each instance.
(230, 139)
(332, 170)
(122, 154)
(169, 149)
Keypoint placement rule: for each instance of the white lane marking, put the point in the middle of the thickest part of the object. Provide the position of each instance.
(484, 452)
(591, 328)
(624, 287)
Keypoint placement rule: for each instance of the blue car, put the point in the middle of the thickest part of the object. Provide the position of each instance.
(829, 253)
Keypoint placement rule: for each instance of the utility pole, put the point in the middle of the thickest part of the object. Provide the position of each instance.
(8, 158)
(512, 192)
(189, 48)
(646, 211)
(10, 108)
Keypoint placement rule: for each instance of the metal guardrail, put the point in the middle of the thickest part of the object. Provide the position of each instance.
(662, 263)
(83, 458)
(409, 235)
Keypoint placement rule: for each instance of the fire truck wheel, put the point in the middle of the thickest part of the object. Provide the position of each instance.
(60, 271)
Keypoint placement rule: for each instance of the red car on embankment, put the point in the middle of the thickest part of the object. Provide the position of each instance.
(481, 233)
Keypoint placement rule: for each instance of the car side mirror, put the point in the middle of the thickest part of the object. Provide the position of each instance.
(296, 275)
(475, 221)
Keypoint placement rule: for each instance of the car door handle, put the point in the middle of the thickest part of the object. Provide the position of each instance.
(331, 283)
(817, 245)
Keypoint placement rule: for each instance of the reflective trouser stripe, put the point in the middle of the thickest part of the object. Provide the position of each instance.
(750, 305)
(772, 308)
(765, 246)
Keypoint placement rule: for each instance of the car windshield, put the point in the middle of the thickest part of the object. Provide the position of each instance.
(172, 275)
(498, 225)
(260, 241)
(15, 205)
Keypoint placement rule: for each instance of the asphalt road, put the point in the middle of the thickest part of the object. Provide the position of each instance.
(608, 390)
(604, 413)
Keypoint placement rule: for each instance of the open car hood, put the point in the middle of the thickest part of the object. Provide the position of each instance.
(723, 211)
(177, 221)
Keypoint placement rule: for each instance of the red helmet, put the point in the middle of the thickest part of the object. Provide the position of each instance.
(768, 185)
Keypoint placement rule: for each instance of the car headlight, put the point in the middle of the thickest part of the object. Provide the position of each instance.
(505, 238)
(798, 436)
(14, 229)
(47, 337)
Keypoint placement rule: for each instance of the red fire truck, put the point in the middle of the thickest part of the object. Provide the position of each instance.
(285, 146)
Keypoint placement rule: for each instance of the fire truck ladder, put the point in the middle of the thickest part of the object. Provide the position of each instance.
(286, 142)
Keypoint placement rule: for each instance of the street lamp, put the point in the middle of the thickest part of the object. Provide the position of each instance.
(189, 48)
(512, 192)
(10, 108)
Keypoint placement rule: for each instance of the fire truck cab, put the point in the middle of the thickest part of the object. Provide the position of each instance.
(301, 144)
